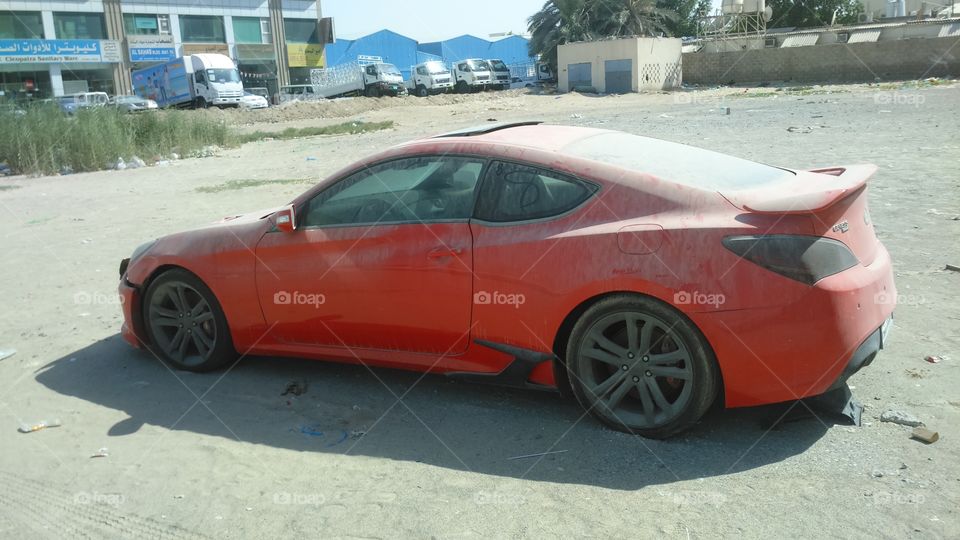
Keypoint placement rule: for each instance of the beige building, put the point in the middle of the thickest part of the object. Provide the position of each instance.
(615, 66)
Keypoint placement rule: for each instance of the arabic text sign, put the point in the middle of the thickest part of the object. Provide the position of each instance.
(54, 51)
(152, 54)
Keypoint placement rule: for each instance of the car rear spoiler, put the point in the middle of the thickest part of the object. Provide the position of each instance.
(811, 191)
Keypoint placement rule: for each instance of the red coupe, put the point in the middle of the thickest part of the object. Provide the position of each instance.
(645, 277)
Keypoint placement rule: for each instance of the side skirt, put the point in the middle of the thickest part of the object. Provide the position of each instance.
(515, 375)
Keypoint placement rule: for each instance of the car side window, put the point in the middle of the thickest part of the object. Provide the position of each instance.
(421, 70)
(514, 192)
(418, 189)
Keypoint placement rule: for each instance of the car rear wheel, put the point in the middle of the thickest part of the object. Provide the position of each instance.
(422, 91)
(186, 325)
(639, 366)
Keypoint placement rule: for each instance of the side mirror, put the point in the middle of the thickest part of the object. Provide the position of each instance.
(286, 220)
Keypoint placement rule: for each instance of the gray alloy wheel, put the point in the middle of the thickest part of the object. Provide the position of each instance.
(186, 324)
(638, 366)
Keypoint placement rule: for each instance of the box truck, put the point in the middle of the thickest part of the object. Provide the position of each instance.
(429, 78)
(499, 74)
(373, 79)
(471, 75)
(197, 80)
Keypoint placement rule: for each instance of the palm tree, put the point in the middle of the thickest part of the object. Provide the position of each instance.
(564, 21)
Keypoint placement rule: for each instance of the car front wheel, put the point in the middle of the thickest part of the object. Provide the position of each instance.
(186, 324)
(639, 366)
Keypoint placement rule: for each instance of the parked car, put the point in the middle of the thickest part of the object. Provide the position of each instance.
(253, 101)
(298, 92)
(133, 103)
(644, 277)
(84, 100)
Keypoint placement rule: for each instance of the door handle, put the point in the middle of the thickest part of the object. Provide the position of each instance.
(440, 253)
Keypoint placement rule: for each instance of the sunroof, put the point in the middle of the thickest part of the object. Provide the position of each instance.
(487, 128)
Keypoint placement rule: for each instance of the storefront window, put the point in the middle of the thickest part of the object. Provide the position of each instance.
(301, 30)
(79, 26)
(30, 82)
(247, 30)
(21, 25)
(139, 25)
(201, 29)
(88, 80)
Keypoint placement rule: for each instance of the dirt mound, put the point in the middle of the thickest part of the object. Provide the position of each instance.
(351, 106)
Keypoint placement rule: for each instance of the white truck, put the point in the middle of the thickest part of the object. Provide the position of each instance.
(499, 74)
(197, 80)
(428, 78)
(364, 77)
(471, 75)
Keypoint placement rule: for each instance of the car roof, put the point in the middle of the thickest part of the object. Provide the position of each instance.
(529, 134)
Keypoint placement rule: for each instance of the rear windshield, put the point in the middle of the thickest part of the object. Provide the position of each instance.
(675, 162)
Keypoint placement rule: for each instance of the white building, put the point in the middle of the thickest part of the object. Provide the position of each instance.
(51, 48)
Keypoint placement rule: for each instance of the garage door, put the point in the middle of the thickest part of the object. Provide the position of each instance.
(618, 76)
(579, 75)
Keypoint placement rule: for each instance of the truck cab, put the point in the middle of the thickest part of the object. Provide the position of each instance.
(500, 74)
(383, 79)
(216, 80)
(471, 75)
(429, 78)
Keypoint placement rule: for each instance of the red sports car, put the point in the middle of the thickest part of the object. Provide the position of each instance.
(645, 277)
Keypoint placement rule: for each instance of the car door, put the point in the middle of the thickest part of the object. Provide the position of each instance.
(524, 263)
(382, 259)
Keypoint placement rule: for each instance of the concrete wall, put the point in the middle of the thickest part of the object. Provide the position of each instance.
(655, 61)
(855, 62)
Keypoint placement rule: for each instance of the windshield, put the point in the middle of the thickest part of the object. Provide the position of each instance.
(223, 75)
(478, 65)
(498, 65)
(435, 67)
(675, 162)
(388, 69)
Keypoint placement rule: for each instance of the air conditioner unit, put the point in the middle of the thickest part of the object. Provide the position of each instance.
(770, 43)
(843, 37)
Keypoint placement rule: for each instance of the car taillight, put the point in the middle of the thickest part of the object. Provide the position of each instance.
(807, 259)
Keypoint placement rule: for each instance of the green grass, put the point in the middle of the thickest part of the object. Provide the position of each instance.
(46, 141)
(346, 128)
(231, 185)
(8, 188)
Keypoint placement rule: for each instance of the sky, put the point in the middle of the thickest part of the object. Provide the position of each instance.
(429, 20)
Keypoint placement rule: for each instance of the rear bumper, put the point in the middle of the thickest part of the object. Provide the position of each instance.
(806, 347)
(865, 353)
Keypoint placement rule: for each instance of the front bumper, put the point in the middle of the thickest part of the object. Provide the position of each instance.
(132, 330)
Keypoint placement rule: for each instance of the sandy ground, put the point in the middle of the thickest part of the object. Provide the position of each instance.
(225, 455)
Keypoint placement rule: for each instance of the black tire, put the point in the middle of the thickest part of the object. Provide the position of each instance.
(201, 103)
(178, 304)
(373, 91)
(422, 91)
(628, 388)
(462, 87)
